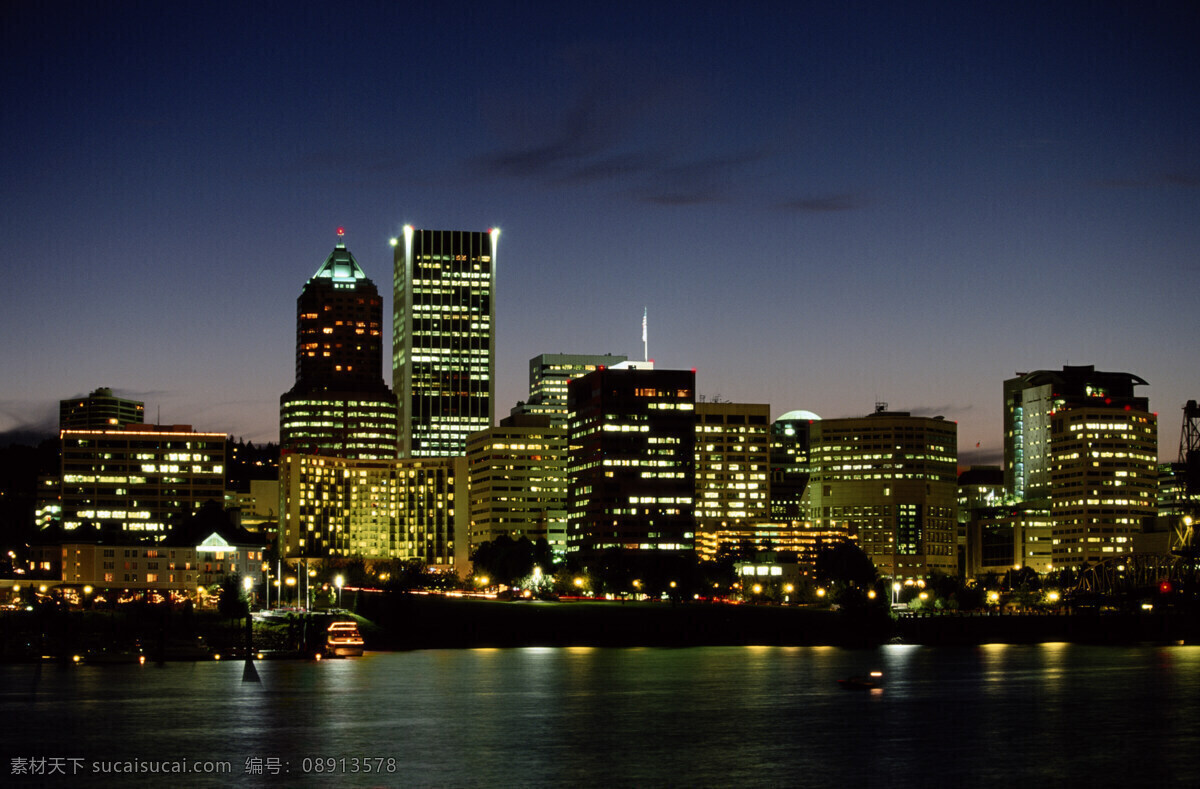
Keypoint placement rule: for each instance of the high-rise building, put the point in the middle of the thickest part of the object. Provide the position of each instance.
(1081, 443)
(409, 509)
(632, 467)
(339, 405)
(789, 464)
(1103, 481)
(888, 481)
(1030, 402)
(518, 481)
(443, 338)
(141, 478)
(732, 468)
(549, 375)
(99, 410)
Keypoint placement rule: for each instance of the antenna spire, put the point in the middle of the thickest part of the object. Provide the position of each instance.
(645, 344)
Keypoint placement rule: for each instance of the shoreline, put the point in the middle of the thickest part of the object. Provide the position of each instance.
(405, 622)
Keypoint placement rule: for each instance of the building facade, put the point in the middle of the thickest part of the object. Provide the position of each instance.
(1104, 481)
(1030, 402)
(790, 464)
(732, 469)
(166, 568)
(339, 405)
(142, 478)
(518, 481)
(443, 338)
(411, 509)
(549, 375)
(889, 482)
(632, 465)
(99, 410)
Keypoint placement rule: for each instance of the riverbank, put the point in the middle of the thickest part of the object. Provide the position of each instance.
(417, 621)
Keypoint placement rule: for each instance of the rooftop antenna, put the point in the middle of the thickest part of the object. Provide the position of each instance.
(341, 234)
(645, 344)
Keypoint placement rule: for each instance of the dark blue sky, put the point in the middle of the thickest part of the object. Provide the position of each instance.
(822, 205)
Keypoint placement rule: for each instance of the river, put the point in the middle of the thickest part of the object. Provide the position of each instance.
(1032, 715)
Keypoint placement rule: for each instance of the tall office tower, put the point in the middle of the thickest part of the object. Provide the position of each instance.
(789, 464)
(889, 481)
(443, 338)
(1030, 402)
(141, 478)
(413, 509)
(632, 450)
(548, 378)
(340, 405)
(99, 410)
(518, 481)
(1103, 480)
(732, 470)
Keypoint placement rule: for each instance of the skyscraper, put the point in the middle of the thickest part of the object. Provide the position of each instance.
(340, 405)
(443, 338)
(1032, 399)
(549, 375)
(632, 466)
(732, 469)
(889, 481)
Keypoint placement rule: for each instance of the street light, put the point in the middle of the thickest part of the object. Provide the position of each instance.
(291, 581)
(247, 584)
(338, 581)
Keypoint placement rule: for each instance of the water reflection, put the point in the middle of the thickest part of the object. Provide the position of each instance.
(727, 715)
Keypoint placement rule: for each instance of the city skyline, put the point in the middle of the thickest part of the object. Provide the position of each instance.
(820, 207)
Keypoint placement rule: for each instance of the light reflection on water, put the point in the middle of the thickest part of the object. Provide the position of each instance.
(587, 716)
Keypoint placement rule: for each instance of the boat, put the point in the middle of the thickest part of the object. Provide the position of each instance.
(342, 639)
(871, 682)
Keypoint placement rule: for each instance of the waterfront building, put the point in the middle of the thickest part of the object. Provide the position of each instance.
(979, 488)
(410, 509)
(632, 443)
(1103, 475)
(1001, 537)
(790, 464)
(180, 565)
(549, 374)
(443, 338)
(99, 410)
(732, 468)
(518, 481)
(800, 538)
(889, 482)
(1030, 402)
(339, 405)
(140, 478)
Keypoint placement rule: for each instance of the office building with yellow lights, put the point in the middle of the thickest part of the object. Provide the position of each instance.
(889, 482)
(339, 405)
(732, 469)
(144, 479)
(518, 481)
(443, 340)
(632, 467)
(1104, 481)
(549, 374)
(411, 509)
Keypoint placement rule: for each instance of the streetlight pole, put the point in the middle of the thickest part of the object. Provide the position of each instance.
(338, 582)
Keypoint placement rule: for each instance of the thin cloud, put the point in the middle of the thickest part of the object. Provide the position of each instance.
(826, 203)
(1185, 180)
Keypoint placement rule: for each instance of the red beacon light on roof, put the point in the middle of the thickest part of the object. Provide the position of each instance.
(341, 231)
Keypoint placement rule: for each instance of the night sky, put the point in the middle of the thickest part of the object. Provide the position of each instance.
(821, 205)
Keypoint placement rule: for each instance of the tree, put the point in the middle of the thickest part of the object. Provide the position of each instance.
(844, 562)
